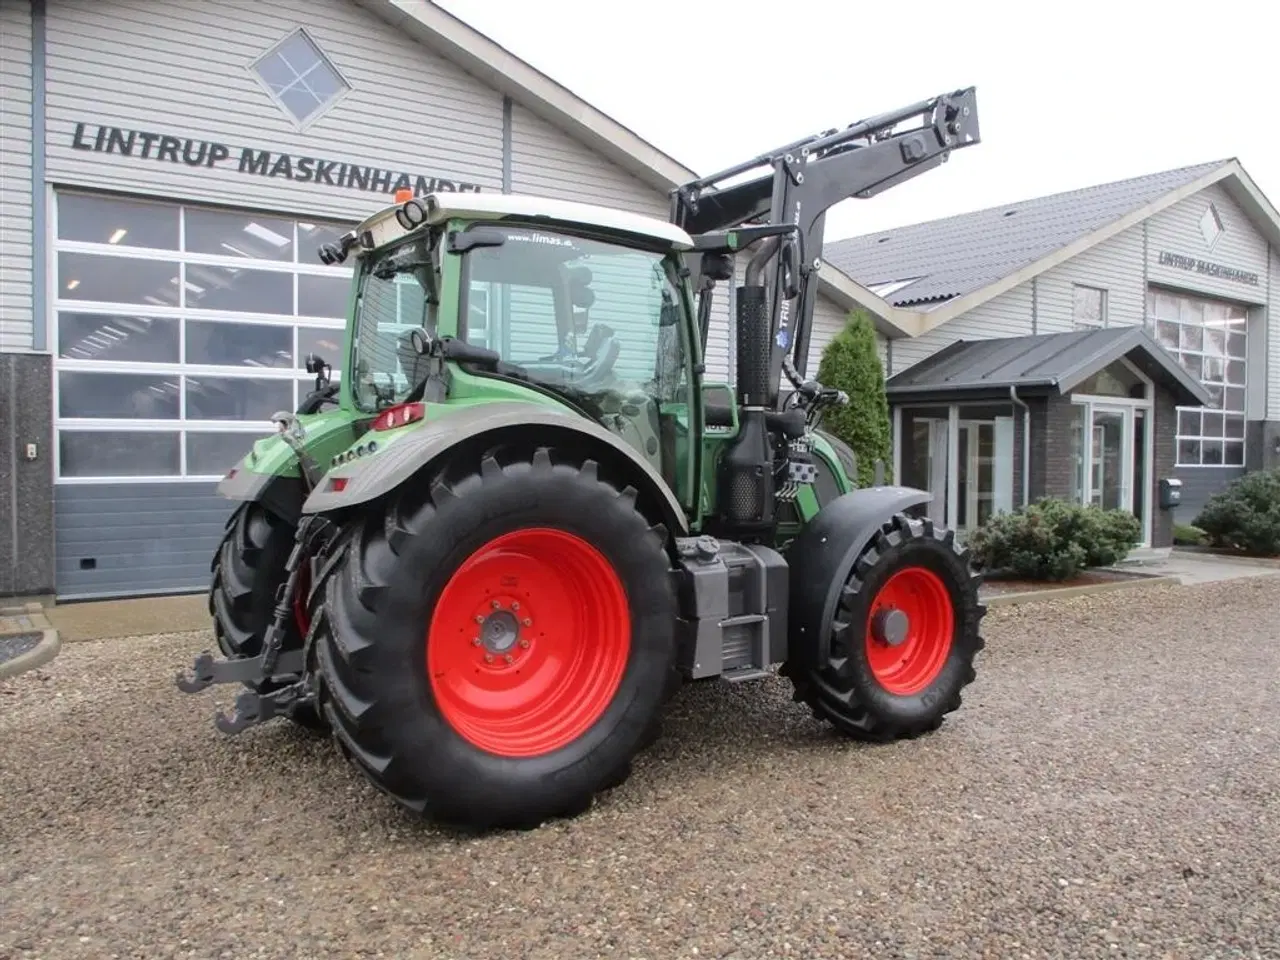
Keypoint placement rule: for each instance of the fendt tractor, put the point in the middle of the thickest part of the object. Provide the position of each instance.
(486, 552)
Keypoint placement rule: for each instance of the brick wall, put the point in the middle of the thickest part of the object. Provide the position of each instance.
(1166, 451)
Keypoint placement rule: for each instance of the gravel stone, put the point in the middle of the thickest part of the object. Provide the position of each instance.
(1109, 789)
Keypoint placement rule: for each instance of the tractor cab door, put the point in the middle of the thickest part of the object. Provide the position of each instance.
(602, 324)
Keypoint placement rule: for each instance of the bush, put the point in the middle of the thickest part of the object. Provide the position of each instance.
(1189, 535)
(1246, 515)
(851, 362)
(1054, 539)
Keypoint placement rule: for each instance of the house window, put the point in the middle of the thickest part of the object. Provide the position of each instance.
(179, 331)
(1090, 307)
(1209, 338)
(300, 77)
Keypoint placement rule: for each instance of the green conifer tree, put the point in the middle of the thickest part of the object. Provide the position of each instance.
(851, 362)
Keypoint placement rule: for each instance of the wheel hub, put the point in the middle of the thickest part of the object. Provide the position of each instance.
(500, 631)
(891, 626)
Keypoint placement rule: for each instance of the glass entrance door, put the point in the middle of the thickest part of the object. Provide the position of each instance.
(1112, 469)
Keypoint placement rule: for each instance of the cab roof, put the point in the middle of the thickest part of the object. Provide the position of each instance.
(440, 207)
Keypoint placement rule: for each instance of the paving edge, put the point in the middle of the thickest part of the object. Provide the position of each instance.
(1062, 593)
(49, 646)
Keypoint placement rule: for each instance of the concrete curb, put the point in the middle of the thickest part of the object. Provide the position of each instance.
(1061, 593)
(49, 646)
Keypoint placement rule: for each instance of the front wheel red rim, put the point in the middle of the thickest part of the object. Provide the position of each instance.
(910, 630)
(528, 642)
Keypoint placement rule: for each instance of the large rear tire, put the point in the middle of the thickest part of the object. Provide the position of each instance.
(904, 638)
(495, 649)
(248, 570)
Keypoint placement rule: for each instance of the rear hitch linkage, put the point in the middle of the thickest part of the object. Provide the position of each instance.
(254, 708)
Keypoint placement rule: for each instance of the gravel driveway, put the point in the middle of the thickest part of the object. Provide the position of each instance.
(1111, 788)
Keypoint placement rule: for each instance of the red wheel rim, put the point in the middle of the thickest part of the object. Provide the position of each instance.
(300, 616)
(910, 630)
(528, 642)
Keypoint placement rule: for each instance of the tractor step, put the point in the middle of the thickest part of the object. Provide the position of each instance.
(740, 674)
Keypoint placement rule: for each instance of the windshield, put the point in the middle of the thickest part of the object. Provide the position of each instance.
(397, 294)
(595, 321)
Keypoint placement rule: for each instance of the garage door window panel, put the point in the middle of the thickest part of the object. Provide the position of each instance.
(108, 338)
(118, 396)
(213, 454)
(118, 222)
(325, 342)
(237, 398)
(92, 454)
(226, 344)
(323, 296)
(95, 278)
(246, 236)
(238, 290)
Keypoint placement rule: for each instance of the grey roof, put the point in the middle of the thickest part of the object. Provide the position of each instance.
(1041, 362)
(958, 255)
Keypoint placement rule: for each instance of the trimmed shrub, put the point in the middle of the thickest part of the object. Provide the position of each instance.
(1246, 515)
(851, 362)
(1189, 535)
(1054, 539)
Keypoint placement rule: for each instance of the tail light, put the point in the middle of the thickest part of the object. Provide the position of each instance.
(399, 415)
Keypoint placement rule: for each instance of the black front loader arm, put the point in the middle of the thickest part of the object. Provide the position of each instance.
(809, 176)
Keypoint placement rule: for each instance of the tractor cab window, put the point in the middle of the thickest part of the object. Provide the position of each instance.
(397, 294)
(600, 323)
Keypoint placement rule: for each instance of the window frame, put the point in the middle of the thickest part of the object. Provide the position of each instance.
(1199, 438)
(301, 381)
(1103, 305)
(300, 123)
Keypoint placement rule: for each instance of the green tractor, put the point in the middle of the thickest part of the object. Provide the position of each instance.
(521, 518)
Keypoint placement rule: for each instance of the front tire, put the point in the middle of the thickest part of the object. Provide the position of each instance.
(494, 651)
(903, 640)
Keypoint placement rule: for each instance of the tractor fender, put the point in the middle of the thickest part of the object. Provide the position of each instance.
(822, 556)
(281, 494)
(372, 477)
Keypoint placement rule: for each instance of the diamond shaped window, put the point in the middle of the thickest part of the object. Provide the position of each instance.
(300, 77)
(1211, 227)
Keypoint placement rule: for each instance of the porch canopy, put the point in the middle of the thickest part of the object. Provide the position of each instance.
(1039, 365)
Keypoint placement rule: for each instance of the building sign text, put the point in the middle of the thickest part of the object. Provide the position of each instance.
(1197, 265)
(210, 154)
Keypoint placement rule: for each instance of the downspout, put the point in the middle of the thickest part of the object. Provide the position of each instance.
(1026, 444)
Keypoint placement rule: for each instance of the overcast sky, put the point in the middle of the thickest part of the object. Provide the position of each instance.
(1069, 95)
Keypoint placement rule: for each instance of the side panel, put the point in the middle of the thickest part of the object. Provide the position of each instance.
(15, 175)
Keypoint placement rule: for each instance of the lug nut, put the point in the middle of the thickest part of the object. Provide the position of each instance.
(527, 622)
(479, 619)
(515, 604)
(509, 658)
(476, 642)
(524, 644)
(488, 658)
(497, 605)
